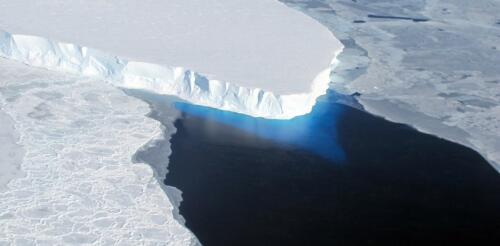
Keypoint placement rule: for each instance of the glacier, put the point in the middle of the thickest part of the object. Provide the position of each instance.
(183, 83)
(259, 58)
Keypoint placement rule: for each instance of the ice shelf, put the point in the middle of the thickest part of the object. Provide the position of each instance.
(259, 58)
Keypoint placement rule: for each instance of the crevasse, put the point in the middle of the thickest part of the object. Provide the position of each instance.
(181, 82)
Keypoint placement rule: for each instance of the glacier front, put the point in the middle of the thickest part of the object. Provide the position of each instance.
(259, 58)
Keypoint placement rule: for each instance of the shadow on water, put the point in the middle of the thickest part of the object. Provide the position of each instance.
(396, 186)
(314, 132)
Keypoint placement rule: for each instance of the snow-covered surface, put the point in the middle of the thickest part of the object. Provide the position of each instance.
(178, 81)
(441, 76)
(11, 154)
(79, 184)
(250, 44)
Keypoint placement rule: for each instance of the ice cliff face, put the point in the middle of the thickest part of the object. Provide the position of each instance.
(184, 83)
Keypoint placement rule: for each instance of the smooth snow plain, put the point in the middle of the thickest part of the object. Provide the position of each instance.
(78, 184)
(439, 74)
(259, 58)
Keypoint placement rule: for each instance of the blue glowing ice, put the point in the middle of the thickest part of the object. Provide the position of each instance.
(315, 132)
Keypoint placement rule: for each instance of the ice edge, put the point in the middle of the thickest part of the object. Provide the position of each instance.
(178, 81)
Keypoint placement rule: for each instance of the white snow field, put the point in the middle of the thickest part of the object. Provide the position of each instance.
(258, 57)
(11, 154)
(78, 184)
(441, 76)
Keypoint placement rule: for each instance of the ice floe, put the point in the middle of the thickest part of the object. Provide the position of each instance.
(80, 185)
(432, 64)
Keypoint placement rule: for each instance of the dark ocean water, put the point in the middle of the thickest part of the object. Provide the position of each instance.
(338, 176)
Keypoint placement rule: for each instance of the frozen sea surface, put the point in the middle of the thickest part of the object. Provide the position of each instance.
(11, 154)
(79, 184)
(432, 64)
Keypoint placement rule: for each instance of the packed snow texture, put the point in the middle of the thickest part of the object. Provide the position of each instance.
(11, 153)
(79, 184)
(268, 53)
(433, 64)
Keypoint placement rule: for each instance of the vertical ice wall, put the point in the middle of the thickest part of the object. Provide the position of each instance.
(177, 81)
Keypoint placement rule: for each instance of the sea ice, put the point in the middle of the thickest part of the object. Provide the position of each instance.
(11, 154)
(80, 185)
(433, 64)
